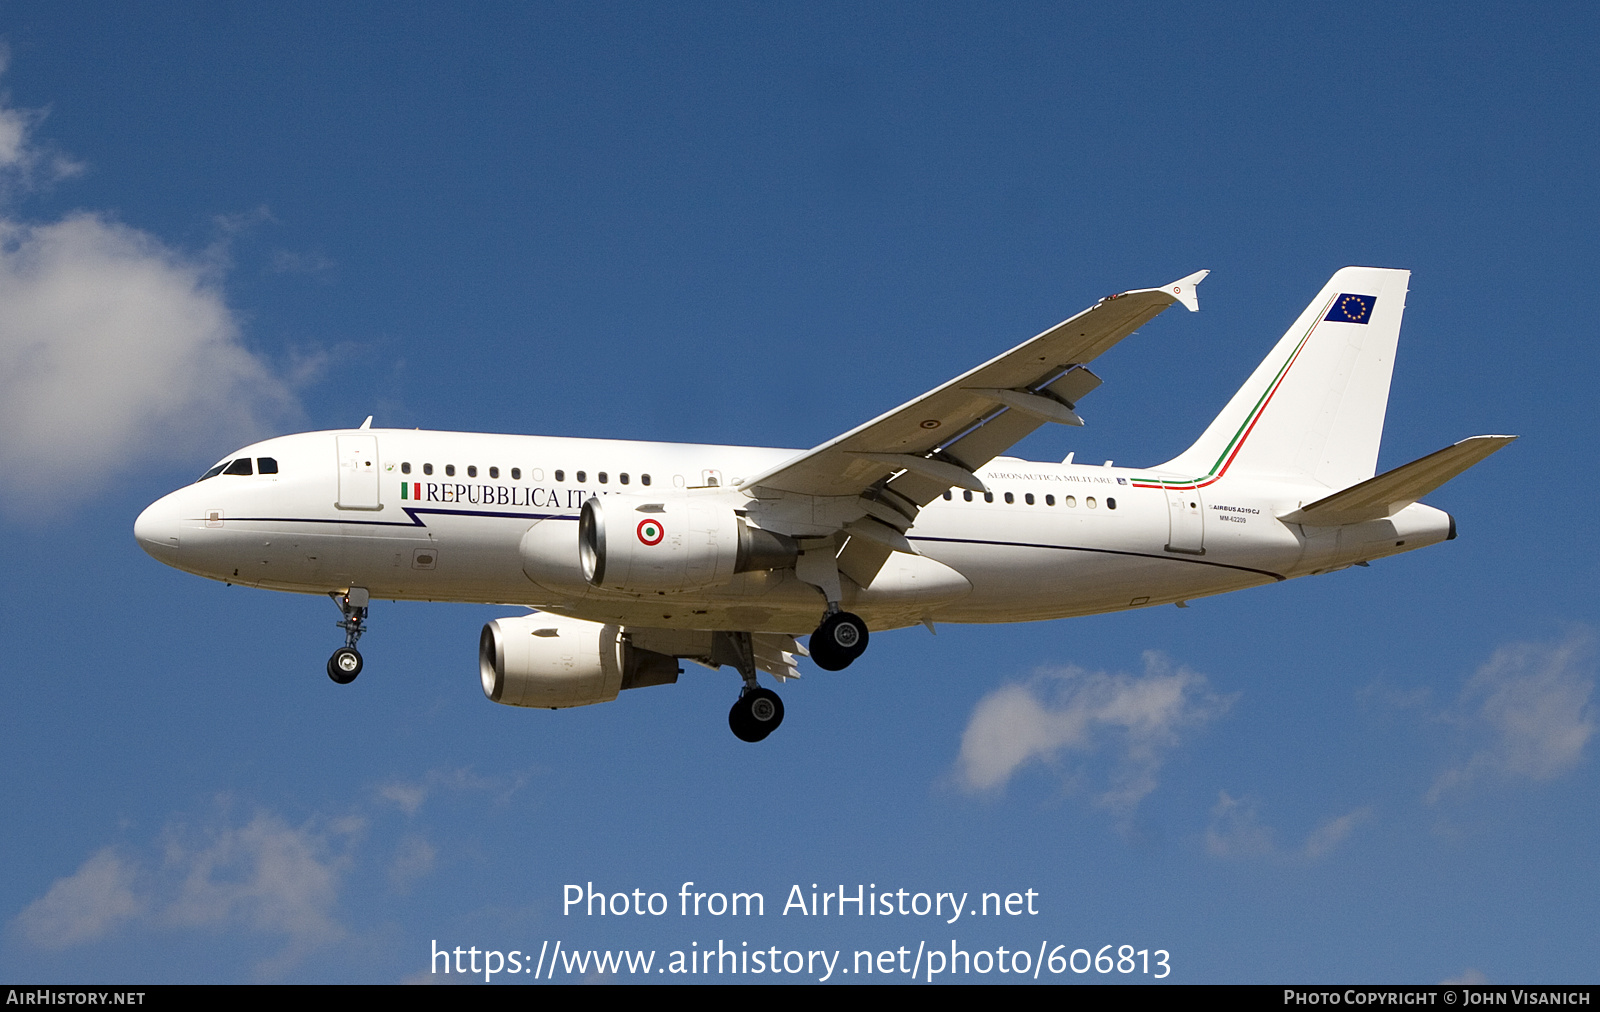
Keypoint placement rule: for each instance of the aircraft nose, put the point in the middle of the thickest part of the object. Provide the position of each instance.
(156, 530)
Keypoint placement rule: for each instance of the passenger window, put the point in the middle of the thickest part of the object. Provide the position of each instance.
(602, 477)
(1049, 500)
(988, 497)
(516, 474)
(623, 477)
(240, 466)
(561, 475)
(967, 496)
(1111, 504)
(582, 477)
(1028, 498)
(1071, 500)
(405, 468)
(214, 471)
(450, 470)
(947, 496)
(1010, 498)
(472, 470)
(427, 468)
(1089, 502)
(644, 479)
(494, 472)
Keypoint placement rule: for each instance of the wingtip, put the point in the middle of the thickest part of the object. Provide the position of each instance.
(1183, 290)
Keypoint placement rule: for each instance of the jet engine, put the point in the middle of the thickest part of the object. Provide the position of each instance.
(555, 661)
(637, 544)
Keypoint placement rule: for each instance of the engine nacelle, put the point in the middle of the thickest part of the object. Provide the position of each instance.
(643, 544)
(555, 661)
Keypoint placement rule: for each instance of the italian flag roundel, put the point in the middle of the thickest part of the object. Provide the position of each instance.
(651, 532)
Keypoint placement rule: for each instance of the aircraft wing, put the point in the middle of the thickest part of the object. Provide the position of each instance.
(939, 439)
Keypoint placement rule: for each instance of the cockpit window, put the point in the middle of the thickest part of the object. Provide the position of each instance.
(240, 466)
(214, 471)
(266, 465)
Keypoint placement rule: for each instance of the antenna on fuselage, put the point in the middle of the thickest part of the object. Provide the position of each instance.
(368, 423)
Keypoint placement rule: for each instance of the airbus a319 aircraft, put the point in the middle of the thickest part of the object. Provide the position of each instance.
(636, 555)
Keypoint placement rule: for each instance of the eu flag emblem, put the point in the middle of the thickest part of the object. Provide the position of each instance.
(1351, 309)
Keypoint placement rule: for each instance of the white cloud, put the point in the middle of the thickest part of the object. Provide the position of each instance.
(413, 860)
(406, 797)
(409, 796)
(1326, 837)
(24, 163)
(276, 883)
(1135, 720)
(1529, 708)
(85, 905)
(1236, 831)
(264, 877)
(1468, 976)
(114, 348)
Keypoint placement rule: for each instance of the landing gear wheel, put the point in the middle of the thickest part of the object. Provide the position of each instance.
(755, 714)
(344, 665)
(840, 639)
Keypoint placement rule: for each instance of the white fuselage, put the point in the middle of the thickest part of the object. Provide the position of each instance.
(442, 516)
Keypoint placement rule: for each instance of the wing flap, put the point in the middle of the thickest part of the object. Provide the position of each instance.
(1392, 491)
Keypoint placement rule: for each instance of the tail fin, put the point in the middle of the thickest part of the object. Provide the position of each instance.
(1313, 410)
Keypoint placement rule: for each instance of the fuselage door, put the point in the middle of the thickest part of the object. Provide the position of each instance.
(358, 473)
(1186, 514)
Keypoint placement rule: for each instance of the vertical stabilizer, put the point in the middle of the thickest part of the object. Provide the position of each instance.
(1313, 410)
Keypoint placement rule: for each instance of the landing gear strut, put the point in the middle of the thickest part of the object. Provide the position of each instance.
(345, 664)
(840, 639)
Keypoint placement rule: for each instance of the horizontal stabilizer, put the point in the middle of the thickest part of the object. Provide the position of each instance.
(1393, 491)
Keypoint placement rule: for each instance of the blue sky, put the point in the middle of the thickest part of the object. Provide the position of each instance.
(731, 223)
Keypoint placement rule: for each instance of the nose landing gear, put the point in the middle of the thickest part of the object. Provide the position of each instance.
(345, 664)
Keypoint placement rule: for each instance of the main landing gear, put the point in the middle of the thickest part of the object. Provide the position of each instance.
(840, 639)
(345, 664)
(755, 714)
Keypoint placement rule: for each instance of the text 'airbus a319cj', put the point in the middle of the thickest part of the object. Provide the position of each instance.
(637, 555)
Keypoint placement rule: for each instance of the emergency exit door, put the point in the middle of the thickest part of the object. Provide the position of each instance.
(1186, 516)
(358, 473)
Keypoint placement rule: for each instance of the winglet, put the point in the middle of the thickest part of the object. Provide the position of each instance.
(1183, 290)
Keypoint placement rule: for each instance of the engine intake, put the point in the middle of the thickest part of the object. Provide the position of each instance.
(554, 661)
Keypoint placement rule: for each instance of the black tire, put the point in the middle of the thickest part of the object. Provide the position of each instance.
(344, 665)
(755, 714)
(840, 639)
